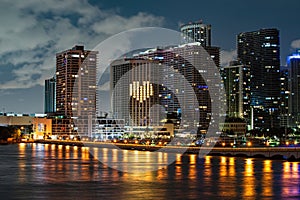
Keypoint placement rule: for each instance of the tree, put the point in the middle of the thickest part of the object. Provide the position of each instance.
(5, 133)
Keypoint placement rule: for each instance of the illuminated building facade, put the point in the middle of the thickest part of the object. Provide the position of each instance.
(293, 62)
(237, 86)
(50, 95)
(76, 89)
(200, 33)
(196, 32)
(284, 97)
(134, 92)
(146, 87)
(261, 52)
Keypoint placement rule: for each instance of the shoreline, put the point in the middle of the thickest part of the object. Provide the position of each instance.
(278, 153)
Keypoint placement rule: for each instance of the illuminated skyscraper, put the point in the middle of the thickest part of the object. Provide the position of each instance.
(76, 87)
(293, 62)
(198, 32)
(50, 86)
(237, 85)
(260, 51)
(165, 88)
(284, 96)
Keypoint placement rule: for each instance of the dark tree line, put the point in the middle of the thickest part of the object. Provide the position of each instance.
(7, 132)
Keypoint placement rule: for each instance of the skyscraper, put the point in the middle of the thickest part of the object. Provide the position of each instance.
(76, 87)
(284, 96)
(50, 86)
(196, 32)
(260, 50)
(201, 33)
(293, 62)
(237, 86)
(172, 93)
(134, 92)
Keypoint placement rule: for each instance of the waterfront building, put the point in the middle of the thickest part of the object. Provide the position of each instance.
(293, 62)
(261, 52)
(50, 96)
(140, 91)
(200, 33)
(234, 127)
(236, 79)
(284, 97)
(76, 89)
(29, 126)
(196, 32)
(134, 92)
(108, 129)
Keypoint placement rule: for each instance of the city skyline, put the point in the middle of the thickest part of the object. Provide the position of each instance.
(35, 31)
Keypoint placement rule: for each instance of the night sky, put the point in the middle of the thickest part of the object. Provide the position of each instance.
(32, 32)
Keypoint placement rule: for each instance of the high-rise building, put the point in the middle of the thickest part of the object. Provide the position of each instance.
(260, 51)
(146, 69)
(50, 86)
(284, 96)
(293, 62)
(236, 79)
(134, 92)
(76, 88)
(198, 32)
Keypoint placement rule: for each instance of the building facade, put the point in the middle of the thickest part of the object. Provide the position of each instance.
(196, 32)
(30, 127)
(293, 62)
(260, 51)
(236, 79)
(134, 92)
(50, 96)
(284, 97)
(76, 70)
(161, 71)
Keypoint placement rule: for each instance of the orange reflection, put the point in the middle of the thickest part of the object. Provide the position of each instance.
(22, 147)
(178, 169)
(295, 167)
(125, 155)
(160, 157)
(115, 155)
(67, 152)
(178, 159)
(46, 147)
(85, 153)
(22, 163)
(231, 167)
(193, 159)
(227, 172)
(249, 179)
(192, 167)
(104, 155)
(207, 168)
(223, 170)
(267, 178)
(75, 152)
(290, 179)
(207, 159)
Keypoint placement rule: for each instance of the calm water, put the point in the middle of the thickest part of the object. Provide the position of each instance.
(38, 171)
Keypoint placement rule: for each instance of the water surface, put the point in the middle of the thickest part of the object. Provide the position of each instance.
(45, 171)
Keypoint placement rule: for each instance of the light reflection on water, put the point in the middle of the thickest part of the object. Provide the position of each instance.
(67, 172)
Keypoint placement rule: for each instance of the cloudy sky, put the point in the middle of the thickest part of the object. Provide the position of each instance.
(32, 31)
